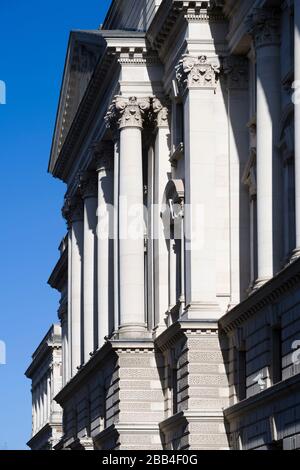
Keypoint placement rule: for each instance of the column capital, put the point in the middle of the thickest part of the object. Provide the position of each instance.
(88, 184)
(263, 26)
(236, 69)
(197, 72)
(103, 156)
(161, 112)
(73, 209)
(127, 112)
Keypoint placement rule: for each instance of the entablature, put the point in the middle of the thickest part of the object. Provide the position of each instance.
(127, 65)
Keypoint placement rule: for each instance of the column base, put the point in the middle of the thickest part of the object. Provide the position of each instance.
(202, 311)
(259, 283)
(132, 331)
(295, 255)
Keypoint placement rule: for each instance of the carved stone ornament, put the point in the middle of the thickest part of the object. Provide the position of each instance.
(66, 210)
(103, 155)
(197, 72)
(263, 25)
(127, 112)
(161, 113)
(72, 210)
(88, 184)
(236, 69)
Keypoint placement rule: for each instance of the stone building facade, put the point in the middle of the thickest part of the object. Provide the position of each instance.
(178, 138)
(45, 374)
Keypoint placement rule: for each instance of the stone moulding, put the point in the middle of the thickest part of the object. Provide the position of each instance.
(282, 283)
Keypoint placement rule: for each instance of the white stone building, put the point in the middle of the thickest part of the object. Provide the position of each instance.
(181, 322)
(46, 377)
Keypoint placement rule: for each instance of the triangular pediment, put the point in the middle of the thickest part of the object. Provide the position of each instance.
(84, 50)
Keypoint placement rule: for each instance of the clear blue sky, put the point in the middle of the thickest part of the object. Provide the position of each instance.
(33, 41)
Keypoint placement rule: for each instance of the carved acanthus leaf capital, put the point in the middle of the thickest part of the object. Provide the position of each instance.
(103, 156)
(161, 113)
(236, 68)
(88, 184)
(197, 72)
(127, 112)
(72, 209)
(263, 25)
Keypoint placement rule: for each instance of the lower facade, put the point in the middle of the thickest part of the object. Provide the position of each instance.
(199, 385)
(163, 394)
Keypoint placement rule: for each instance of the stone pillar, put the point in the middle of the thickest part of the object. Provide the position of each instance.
(66, 317)
(45, 400)
(264, 27)
(37, 407)
(237, 80)
(88, 186)
(34, 410)
(297, 121)
(197, 79)
(161, 170)
(116, 230)
(48, 399)
(76, 283)
(67, 360)
(105, 233)
(130, 112)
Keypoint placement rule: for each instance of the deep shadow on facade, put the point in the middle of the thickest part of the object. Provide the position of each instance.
(178, 138)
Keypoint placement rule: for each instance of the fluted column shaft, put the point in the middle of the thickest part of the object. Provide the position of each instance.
(105, 243)
(265, 31)
(89, 194)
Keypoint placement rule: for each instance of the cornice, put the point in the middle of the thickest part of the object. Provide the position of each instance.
(123, 48)
(170, 11)
(85, 113)
(183, 329)
(269, 293)
(58, 277)
(51, 340)
(99, 359)
(273, 393)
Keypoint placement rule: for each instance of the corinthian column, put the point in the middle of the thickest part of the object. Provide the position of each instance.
(130, 112)
(197, 79)
(104, 166)
(264, 27)
(88, 188)
(76, 281)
